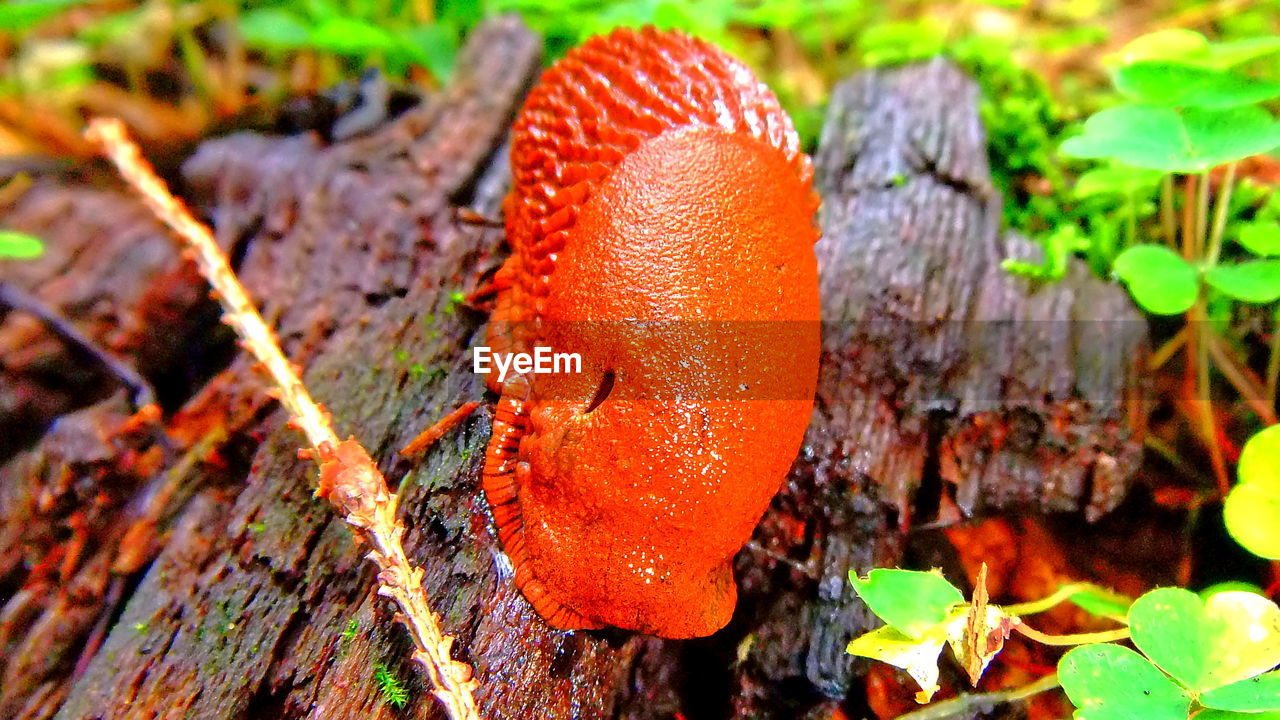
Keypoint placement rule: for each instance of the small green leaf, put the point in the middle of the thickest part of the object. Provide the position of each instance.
(274, 29)
(1230, 715)
(347, 36)
(1260, 459)
(1167, 625)
(1253, 282)
(1206, 644)
(22, 14)
(1169, 44)
(1260, 238)
(1172, 140)
(1254, 694)
(1119, 180)
(909, 601)
(1158, 278)
(1102, 603)
(1229, 586)
(919, 657)
(1188, 47)
(1252, 516)
(1235, 52)
(1169, 83)
(1112, 682)
(435, 47)
(19, 245)
(1252, 508)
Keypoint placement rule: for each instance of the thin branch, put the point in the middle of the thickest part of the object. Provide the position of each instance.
(14, 297)
(348, 477)
(1202, 339)
(975, 703)
(1273, 361)
(1244, 381)
(1220, 213)
(1169, 348)
(1202, 212)
(1168, 225)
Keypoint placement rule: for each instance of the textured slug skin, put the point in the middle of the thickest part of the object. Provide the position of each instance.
(662, 226)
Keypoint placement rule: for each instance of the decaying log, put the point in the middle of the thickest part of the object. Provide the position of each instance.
(948, 388)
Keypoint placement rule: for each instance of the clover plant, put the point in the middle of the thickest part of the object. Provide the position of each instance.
(1252, 508)
(1211, 657)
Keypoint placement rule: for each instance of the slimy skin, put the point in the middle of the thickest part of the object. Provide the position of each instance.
(662, 226)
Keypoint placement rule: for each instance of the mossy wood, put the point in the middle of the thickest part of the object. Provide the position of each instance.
(204, 581)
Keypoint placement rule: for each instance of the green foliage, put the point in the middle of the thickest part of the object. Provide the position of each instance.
(1261, 693)
(924, 613)
(1192, 653)
(1206, 644)
(19, 245)
(1190, 48)
(1177, 85)
(1195, 653)
(366, 33)
(18, 15)
(1186, 108)
(1252, 508)
(1252, 282)
(1101, 602)
(909, 601)
(1110, 682)
(1158, 278)
(1169, 139)
(1260, 237)
(390, 688)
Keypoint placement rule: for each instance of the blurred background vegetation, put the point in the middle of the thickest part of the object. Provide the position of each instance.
(179, 70)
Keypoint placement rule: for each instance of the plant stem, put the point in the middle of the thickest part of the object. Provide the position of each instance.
(1220, 213)
(1169, 348)
(1202, 210)
(1273, 361)
(1170, 456)
(1130, 222)
(1202, 339)
(1189, 236)
(971, 705)
(1238, 376)
(1167, 221)
(1060, 596)
(1074, 639)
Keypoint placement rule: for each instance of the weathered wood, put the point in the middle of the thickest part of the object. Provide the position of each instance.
(257, 604)
(946, 385)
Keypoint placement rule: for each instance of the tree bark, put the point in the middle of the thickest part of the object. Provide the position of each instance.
(948, 388)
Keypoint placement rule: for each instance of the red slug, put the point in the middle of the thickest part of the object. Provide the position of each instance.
(661, 224)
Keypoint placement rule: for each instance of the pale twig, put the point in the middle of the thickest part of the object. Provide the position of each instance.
(348, 477)
(969, 705)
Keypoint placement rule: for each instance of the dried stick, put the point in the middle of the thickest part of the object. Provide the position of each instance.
(348, 477)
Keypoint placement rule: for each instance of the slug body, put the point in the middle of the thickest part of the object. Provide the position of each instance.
(662, 226)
